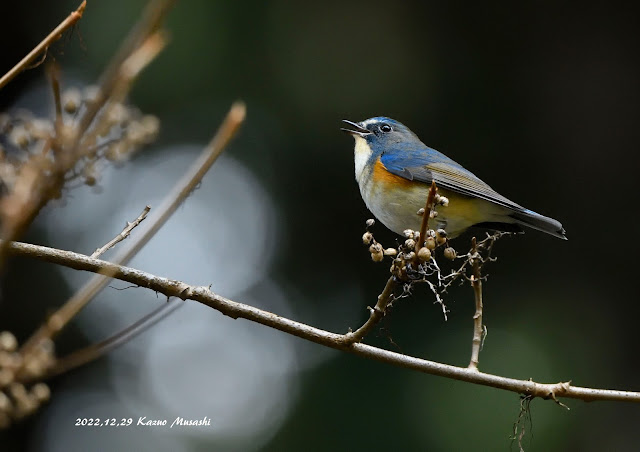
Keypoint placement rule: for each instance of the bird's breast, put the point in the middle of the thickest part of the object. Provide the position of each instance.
(395, 201)
(362, 154)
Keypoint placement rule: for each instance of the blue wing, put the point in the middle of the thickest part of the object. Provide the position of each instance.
(425, 165)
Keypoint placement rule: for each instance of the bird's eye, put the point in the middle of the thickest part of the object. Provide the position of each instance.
(385, 128)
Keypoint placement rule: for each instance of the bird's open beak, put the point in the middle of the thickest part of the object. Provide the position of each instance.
(359, 129)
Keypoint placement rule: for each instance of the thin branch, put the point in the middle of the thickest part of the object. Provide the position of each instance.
(476, 283)
(54, 75)
(115, 90)
(57, 321)
(173, 288)
(376, 313)
(94, 351)
(56, 34)
(152, 19)
(424, 226)
(123, 235)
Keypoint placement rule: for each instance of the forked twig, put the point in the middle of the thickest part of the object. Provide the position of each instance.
(123, 235)
(375, 314)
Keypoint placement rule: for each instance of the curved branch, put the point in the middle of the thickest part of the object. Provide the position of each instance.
(174, 288)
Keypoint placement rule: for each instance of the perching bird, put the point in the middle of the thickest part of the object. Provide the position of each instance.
(394, 170)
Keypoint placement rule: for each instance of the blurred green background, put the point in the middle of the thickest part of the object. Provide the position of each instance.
(540, 99)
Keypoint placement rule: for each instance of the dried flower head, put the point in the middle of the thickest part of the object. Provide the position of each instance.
(18, 397)
(48, 154)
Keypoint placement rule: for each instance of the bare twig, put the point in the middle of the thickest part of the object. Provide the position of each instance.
(179, 193)
(56, 34)
(424, 226)
(115, 90)
(152, 19)
(476, 283)
(173, 288)
(94, 351)
(376, 313)
(124, 234)
(54, 75)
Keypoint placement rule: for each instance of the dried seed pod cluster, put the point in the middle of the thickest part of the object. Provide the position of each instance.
(21, 394)
(376, 250)
(409, 260)
(414, 260)
(42, 145)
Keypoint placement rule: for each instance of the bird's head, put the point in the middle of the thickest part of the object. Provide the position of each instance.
(381, 133)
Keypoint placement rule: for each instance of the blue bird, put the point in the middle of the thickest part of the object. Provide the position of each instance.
(394, 170)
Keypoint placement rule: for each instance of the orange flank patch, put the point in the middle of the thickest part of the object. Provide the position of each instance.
(383, 177)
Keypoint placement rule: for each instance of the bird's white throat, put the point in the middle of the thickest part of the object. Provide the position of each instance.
(362, 152)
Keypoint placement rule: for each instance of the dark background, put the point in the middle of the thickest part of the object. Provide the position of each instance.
(540, 99)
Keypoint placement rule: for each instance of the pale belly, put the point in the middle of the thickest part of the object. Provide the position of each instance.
(397, 208)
